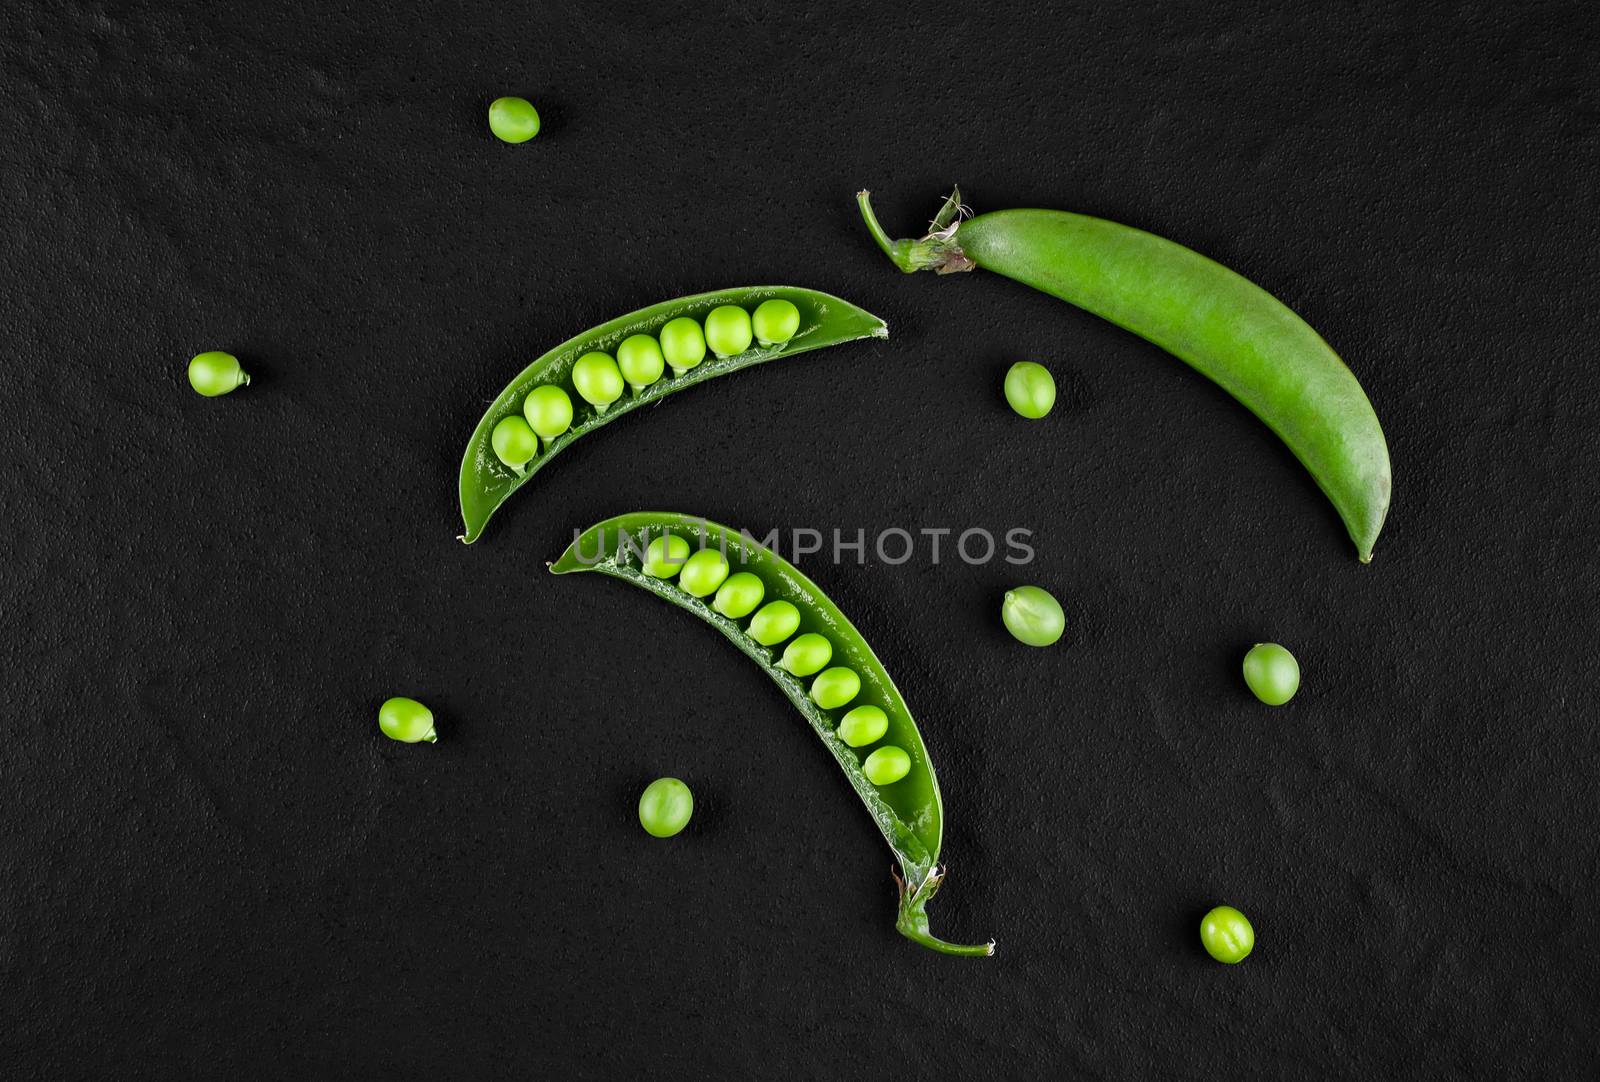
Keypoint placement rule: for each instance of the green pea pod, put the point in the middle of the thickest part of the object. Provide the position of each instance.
(909, 811)
(487, 482)
(1221, 324)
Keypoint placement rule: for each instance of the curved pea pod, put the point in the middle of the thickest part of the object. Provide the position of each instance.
(486, 482)
(1221, 324)
(909, 812)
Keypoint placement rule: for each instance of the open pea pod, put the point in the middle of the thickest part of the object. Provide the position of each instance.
(487, 482)
(908, 809)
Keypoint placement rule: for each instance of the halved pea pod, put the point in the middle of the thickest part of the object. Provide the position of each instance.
(486, 482)
(909, 812)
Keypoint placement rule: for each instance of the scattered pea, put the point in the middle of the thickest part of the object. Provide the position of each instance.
(513, 120)
(639, 358)
(863, 725)
(1227, 935)
(597, 379)
(774, 622)
(216, 373)
(775, 321)
(835, 687)
(665, 807)
(887, 765)
(739, 595)
(549, 411)
(514, 442)
(728, 330)
(807, 655)
(1033, 616)
(1030, 389)
(665, 556)
(703, 572)
(683, 344)
(1272, 673)
(406, 720)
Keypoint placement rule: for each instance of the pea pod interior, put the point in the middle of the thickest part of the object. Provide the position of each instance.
(486, 482)
(909, 811)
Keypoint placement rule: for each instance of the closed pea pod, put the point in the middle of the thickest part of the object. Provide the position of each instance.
(807, 654)
(597, 379)
(835, 687)
(739, 595)
(774, 622)
(683, 344)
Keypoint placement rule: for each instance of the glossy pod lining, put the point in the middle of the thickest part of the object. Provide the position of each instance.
(1219, 323)
(904, 801)
(487, 481)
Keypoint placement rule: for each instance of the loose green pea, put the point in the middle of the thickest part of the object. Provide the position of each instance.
(639, 358)
(665, 556)
(665, 807)
(1030, 389)
(887, 765)
(775, 321)
(774, 622)
(597, 379)
(513, 120)
(407, 721)
(728, 330)
(807, 654)
(863, 725)
(739, 596)
(1272, 673)
(1033, 616)
(1227, 935)
(683, 344)
(834, 687)
(216, 373)
(549, 411)
(514, 442)
(703, 572)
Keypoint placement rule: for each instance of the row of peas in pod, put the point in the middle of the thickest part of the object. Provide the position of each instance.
(705, 573)
(641, 360)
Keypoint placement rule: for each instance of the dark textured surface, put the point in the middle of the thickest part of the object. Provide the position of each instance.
(214, 866)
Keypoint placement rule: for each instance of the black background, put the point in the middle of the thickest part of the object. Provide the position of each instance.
(215, 866)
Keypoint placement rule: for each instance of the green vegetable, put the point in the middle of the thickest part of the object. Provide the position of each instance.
(1030, 389)
(806, 655)
(514, 442)
(1033, 616)
(549, 412)
(1225, 327)
(216, 373)
(683, 344)
(863, 725)
(597, 380)
(896, 783)
(513, 120)
(1272, 673)
(665, 807)
(407, 721)
(665, 556)
(739, 595)
(486, 481)
(775, 321)
(728, 330)
(703, 573)
(1227, 935)
(835, 687)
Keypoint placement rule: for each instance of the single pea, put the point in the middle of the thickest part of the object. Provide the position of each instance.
(513, 120)
(728, 330)
(216, 373)
(1030, 389)
(739, 595)
(639, 358)
(807, 654)
(406, 720)
(703, 572)
(835, 687)
(863, 725)
(775, 321)
(1272, 673)
(514, 442)
(683, 344)
(774, 622)
(887, 765)
(1227, 935)
(664, 557)
(665, 807)
(1033, 616)
(597, 379)
(549, 411)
